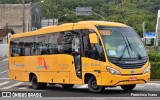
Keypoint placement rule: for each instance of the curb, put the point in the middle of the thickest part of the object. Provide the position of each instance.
(154, 79)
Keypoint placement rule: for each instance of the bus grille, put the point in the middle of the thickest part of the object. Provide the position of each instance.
(129, 63)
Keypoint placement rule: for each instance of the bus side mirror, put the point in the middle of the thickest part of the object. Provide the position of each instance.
(93, 38)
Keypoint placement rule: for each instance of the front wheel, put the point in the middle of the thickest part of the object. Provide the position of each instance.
(93, 87)
(128, 87)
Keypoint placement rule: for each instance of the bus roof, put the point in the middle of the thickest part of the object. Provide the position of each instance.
(105, 23)
(68, 26)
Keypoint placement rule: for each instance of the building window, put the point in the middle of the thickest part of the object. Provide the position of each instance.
(1, 41)
(34, 18)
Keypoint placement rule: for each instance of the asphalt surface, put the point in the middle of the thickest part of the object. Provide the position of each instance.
(152, 89)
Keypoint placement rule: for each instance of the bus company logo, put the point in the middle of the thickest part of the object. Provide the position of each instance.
(18, 64)
(41, 63)
(131, 62)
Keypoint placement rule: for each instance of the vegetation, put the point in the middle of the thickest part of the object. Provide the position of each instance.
(130, 12)
(154, 57)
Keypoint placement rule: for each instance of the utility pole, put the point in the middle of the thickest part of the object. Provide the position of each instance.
(144, 30)
(23, 19)
(6, 30)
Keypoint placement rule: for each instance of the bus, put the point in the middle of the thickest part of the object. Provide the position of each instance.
(98, 53)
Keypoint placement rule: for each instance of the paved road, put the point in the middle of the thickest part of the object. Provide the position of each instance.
(78, 91)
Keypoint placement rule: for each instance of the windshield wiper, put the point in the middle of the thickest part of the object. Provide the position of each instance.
(135, 50)
(123, 52)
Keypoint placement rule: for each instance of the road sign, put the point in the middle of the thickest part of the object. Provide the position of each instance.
(83, 11)
(150, 35)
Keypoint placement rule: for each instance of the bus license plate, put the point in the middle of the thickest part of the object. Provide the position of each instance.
(132, 78)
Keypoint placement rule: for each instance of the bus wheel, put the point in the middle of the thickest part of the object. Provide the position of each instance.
(93, 87)
(67, 86)
(128, 87)
(36, 84)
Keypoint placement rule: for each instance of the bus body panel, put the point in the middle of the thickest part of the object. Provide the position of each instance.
(117, 80)
(47, 68)
(58, 77)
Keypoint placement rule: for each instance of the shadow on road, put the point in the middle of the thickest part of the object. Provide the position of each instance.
(58, 91)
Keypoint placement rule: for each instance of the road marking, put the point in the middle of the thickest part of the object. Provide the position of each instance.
(3, 71)
(5, 59)
(3, 83)
(157, 84)
(139, 86)
(22, 88)
(8, 87)
(4, 78)
(83, 86)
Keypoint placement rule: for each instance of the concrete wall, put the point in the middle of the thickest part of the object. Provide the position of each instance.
(12, 14)
(3, 50)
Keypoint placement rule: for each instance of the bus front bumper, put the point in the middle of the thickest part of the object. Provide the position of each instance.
(109, 79)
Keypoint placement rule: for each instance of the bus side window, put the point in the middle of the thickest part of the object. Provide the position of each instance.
(65, 42)
(53, 43)
(94, 51)
(15, 50)
(28, 45)
(40, 45)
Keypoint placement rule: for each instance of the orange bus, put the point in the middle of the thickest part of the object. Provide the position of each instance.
(98, 53)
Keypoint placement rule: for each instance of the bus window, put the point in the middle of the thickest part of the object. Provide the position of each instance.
(65, 43)
(28, 41)
(40, 46)
(15, 50)
(53, 43)
(94, 51)
(76, 50)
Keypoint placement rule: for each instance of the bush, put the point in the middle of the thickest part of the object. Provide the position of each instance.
(154, 57)
(155, 70)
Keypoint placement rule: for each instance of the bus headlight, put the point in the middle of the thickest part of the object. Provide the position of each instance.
(113, 71)
(147, 69)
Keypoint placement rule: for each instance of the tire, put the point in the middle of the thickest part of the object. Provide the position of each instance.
(36, 84)
(128, 87)
(92, 85)
(67, 86)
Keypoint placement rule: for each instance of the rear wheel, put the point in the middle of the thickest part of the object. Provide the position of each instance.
(128, 87)
(36, 84)
(67, 86)
(93, 87)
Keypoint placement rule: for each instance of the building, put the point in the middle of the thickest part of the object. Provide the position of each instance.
(4, 36)
(20, 17)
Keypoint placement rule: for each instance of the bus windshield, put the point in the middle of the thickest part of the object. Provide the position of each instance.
(122, 42)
